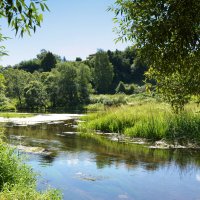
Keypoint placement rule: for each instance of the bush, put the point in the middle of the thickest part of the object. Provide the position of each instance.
(120, 88)
(109, 100)
(125, 88)
(6, 104)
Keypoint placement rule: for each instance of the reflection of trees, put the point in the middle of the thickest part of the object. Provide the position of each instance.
(106, 153)
(46, 159)
(135, 155)
(40, 131)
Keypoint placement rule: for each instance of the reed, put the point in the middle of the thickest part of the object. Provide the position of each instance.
(151, 120)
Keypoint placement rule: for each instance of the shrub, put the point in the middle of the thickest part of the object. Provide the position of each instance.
(125, 88)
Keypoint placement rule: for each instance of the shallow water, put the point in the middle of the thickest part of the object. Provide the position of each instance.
(86, 168)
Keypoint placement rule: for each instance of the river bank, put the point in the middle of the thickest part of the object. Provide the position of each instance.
(153, 121)
(80, 167)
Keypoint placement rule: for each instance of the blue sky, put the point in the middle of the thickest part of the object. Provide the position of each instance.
(73, 28)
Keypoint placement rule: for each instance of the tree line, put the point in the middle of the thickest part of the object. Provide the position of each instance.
(49, 81)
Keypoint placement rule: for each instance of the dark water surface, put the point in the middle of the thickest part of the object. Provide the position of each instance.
(85, 168)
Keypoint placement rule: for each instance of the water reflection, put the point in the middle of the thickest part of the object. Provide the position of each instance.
(57, 138)
(85, 167)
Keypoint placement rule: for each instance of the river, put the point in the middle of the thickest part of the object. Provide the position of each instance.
(89, 169)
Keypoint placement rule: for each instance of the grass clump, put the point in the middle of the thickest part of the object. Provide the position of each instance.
(184, 128)
(151, 120)
(149, 127)
(17, 180)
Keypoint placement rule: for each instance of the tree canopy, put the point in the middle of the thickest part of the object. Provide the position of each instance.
(103, 72)
(167, 34)
(23, 16)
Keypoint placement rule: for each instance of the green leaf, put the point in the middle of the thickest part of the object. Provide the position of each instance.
(42, 6)
(19, 6)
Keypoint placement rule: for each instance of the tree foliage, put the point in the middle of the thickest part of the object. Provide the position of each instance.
(103, 72)
(21, 15)
(68, 84)
(16, 80)
(48, 62)
(29, 65)
(84, 86)
(35, 95)
(167, 33)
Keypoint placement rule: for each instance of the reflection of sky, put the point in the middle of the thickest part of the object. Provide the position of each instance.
(82, 169)
(78, 176)
(198, 177)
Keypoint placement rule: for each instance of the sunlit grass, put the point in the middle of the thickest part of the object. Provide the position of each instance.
(151, 120)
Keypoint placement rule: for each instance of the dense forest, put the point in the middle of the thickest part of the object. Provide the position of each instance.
(49, 81)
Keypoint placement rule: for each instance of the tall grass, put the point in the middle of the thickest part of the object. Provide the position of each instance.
(102, 102)
(149, 120)
(17, 180)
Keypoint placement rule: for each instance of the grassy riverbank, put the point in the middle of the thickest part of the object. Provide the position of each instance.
(17, 181)
(149, 119)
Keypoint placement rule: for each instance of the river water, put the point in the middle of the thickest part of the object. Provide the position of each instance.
(97, 169)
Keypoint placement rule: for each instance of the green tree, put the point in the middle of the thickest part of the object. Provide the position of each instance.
(29, 65)
(138, 70)
(67, 84)
(52, 87)
(167, 34)
(35, 95)
(127, 67)
(78, 59)
(48, 62)
(16, 80)
(44, 52)
(2, 84)
(5, 103)
(2, 91)
(103, 72)
(84, 86)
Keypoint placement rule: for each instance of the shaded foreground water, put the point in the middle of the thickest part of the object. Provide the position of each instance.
(86, 168)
